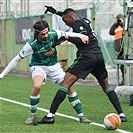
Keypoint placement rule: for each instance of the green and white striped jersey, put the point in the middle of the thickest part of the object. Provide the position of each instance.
(42, 53)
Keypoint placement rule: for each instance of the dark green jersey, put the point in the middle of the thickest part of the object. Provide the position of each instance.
(42, 53)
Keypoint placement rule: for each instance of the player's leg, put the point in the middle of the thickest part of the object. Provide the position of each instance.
(113, 98)
(76, 104)
(35, 95)
(58, 76)
(59, 97)
(100, 73)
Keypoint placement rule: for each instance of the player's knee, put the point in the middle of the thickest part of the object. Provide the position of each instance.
(37, 86)
(104, 84)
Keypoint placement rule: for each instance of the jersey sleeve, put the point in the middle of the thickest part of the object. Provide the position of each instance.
(60, 33)
(26, 51)
(11, 66)
(70, 34)
(59, 13)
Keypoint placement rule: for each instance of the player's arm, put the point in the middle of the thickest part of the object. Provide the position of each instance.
(10, 66)
(53, 10)
(26, 51)
(71, 37)
(77, 40)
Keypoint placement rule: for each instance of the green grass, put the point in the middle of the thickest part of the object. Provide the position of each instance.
(94, 102)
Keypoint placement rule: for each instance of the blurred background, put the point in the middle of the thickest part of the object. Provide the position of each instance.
(18, 16)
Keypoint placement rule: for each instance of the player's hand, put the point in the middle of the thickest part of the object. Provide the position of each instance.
(59, 41)
(85, 39)
(1, 76)
(50, 9)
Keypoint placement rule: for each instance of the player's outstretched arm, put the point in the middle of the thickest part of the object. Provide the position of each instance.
(79, 41)
(10, 66)
(84, 38)
(75, 38)
(53, 10)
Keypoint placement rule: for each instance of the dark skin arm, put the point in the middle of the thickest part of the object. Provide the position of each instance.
(74, 40)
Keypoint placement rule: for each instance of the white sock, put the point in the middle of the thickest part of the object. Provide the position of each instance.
(50, 114)
(80, 114)
(121, 114)
(73, 94)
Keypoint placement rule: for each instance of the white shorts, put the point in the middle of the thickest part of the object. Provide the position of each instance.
(55, 73)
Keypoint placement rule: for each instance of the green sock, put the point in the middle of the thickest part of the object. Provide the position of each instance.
(75, 102)
(34, 100)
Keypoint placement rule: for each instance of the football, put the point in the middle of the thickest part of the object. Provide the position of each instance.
(112, 121)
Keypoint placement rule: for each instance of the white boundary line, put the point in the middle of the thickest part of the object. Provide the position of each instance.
(59, 114)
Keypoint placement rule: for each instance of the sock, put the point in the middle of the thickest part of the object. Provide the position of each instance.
(34, 100)
(114, 100)
(58, 99)
(76, 104)
(50, 114)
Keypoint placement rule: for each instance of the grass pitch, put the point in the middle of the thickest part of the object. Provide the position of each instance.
(94, 102)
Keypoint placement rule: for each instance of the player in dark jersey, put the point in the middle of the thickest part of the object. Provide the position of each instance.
(89, 60)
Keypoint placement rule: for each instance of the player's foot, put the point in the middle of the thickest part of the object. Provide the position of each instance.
(46, 120)
(130, 103)
(122, 117)
(83, 119)
(30, 119)
(131, 100)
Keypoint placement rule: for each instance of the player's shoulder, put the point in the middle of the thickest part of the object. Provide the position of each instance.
(32, 40)
(78, 22)
(81, 22)
(52, 31)
(79, 25)
(53, 34)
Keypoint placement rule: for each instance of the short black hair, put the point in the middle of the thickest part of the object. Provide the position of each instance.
(69, 10)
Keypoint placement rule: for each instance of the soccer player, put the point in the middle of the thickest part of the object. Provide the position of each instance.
(44, 62)
(89, 60)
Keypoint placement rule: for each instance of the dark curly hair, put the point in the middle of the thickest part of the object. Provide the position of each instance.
(39, 26)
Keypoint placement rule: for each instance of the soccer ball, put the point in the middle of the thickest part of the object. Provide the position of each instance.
(112, 121)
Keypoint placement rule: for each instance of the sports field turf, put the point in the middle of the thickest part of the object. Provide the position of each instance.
(94, 102)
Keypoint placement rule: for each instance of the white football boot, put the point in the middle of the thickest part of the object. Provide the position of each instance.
(31, 119)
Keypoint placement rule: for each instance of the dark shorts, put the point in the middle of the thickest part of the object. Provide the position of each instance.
(89, 63)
